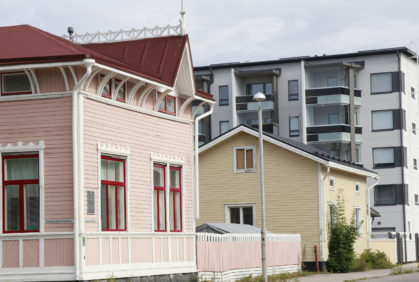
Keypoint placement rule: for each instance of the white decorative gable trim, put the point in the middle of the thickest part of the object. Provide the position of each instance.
(158, 157)
(112, 149)
(20, 147)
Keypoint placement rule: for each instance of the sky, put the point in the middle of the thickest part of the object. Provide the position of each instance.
(224, 31)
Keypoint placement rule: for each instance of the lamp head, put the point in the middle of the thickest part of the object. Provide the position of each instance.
(259, 97)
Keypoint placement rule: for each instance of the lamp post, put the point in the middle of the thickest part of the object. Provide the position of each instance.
(259, 97)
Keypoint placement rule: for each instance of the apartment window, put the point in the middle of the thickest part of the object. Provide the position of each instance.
(168, 104)
(112, 192)
(383, 157)
(240, 214)
(175, 204)
(224, 126)
(332, 81)
(245, 159)
(381, 83)
(107, 89)
(159, 197)
(385, 195)
(332, 214)
(224, 97)
(357, 188)
(331, 183)
(292, 90)
(416, 199)
(333, 118)
(253, 88)
(413, 128)
(15, 83)
(382, 120)
(121, 95)
(358, 219)
(415, 163)
(294, 123)
(412, 92)
(20, 193)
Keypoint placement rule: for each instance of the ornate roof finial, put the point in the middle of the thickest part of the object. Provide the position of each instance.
(182, 18)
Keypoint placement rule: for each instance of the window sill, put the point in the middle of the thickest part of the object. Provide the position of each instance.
(245, 171)
(379, 93)
(379, 130)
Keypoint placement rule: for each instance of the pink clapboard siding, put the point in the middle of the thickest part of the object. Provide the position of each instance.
(48, 120)
(226, 254)
(10, 253)
(141, 250)
(31, 253)
(143, 134)
(59, 252)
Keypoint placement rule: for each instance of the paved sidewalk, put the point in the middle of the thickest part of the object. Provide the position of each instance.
(336, 277)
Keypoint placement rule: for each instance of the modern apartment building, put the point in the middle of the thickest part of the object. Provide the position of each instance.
(359, 107)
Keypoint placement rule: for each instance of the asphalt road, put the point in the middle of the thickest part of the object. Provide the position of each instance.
(410, 277)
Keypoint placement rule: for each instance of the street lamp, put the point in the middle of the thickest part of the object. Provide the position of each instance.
(259, 97)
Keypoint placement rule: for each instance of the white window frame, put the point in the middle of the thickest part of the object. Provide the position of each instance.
(167, 161)
(119, 152)
(15, 92)
(20, 148)
(332, 187)
(357, 188)
(360, 219)
(329, 215)
(241, 206)
(382, 129)
(235, 159)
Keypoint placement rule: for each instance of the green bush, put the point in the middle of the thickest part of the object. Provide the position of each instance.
(341, 241)
(371, 260)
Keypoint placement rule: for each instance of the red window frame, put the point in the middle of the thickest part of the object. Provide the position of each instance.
(21, 193)
(11, 93)
(110, 87)
(116, 184)
(174, 191)
(117, 82)
(158, 189)
(165, 104)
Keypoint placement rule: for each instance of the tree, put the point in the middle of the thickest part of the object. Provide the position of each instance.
(342, 238)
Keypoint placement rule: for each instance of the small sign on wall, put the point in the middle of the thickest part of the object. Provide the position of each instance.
(90, 202)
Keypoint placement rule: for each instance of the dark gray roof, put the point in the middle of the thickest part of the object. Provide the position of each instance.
(222, 228)
(374, 213)
(403, 50)
(303, 147)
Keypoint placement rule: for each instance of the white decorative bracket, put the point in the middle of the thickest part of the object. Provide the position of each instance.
(113, 149)
(158, 157)
(20, 147)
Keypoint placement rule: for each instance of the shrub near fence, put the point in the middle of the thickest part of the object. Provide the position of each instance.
(231, 256)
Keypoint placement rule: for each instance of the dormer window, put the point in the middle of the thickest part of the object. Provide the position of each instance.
(168, 105)
(15, 83)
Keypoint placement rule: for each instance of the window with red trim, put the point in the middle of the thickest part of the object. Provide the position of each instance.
(159, 197)
(120, 96)
(168, 105)
(20, 193)
(175, 209)
(107, 89)
(113, 198)
(15, 83)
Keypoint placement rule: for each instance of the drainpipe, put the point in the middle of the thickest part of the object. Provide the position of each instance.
(402, 155)
(75, 132)
(369, 211)
(321, 210)
(196, 126)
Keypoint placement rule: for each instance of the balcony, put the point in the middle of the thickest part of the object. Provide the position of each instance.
(265, 127)
(333, 133)
(331, 95)
(246, 103)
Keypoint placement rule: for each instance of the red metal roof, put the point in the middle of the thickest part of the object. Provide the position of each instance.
(205, 95)
(157, 59)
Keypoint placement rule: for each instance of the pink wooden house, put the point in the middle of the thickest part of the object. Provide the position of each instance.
(97, 157)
